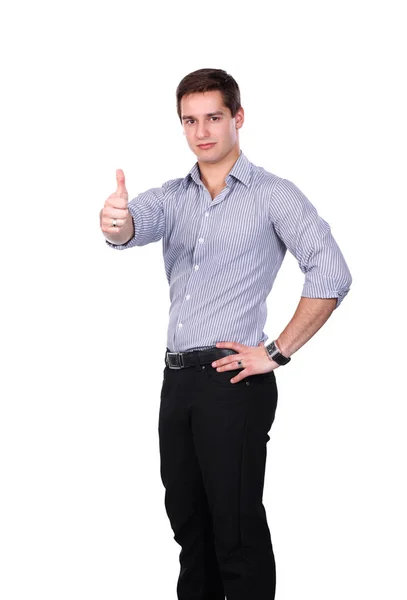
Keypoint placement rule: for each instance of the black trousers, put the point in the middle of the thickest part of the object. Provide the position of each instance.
(212, 437)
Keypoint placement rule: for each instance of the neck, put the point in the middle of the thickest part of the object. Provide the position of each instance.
(213, 175)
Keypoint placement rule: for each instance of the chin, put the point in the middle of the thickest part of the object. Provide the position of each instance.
(209, 159)
(209, 156)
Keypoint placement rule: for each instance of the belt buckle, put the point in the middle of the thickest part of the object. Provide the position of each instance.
(172, 365)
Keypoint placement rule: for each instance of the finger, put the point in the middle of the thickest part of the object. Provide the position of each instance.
(232, 345)
(110, 229)
(109, 222)
(242, 375)
(115, 213)
(223, 363)
(121, 184)
(116, 201)
(227, 360)
(114, 198)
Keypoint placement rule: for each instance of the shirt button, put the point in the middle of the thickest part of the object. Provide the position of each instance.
(200, 240)
(188, 296)
(180, 325)
(206, 214)
(196, 267)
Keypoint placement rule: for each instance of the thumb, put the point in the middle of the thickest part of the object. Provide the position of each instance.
(121, 184)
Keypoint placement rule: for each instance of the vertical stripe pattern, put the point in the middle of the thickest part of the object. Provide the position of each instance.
(222, 256)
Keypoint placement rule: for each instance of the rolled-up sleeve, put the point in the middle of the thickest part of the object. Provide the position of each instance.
(147, 213)
(308, 237)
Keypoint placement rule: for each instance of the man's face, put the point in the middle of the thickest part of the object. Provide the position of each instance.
(206, 120)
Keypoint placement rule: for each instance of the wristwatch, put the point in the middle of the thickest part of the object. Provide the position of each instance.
(275, 354)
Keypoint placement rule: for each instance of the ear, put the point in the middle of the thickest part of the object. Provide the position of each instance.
(239, 117)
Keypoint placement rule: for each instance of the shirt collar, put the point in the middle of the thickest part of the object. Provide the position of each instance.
(241, 170)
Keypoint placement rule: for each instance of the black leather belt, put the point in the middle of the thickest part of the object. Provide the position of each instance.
(181, 360)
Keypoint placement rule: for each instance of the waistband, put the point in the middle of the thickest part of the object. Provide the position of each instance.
(194, 358)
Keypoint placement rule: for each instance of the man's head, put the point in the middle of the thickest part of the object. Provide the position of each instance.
(208, 106)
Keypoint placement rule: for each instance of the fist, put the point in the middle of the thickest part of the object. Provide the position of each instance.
(115, 207)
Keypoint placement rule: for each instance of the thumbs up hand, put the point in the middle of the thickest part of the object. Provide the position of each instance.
(115, 219)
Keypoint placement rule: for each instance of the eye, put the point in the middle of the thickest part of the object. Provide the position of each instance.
(190, 121)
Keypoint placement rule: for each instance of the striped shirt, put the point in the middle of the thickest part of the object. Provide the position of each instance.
(222, 256)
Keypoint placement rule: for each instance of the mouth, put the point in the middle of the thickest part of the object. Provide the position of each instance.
(206, 146)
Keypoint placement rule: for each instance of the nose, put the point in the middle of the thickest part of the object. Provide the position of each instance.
(202, 131)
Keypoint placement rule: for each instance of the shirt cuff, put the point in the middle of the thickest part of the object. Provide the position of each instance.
(317, 289)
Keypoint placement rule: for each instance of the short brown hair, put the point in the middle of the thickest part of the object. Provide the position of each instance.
(206, 80)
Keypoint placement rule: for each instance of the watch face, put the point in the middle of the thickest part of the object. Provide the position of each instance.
(272, 350)
(276, 355)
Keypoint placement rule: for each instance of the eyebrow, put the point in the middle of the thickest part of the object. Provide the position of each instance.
(218, 112)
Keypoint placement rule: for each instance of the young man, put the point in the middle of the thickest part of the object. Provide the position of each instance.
(225, 227)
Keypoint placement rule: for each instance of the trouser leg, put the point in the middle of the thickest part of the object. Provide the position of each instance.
(185, 499)
(230, 427)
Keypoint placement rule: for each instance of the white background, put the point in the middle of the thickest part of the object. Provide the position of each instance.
(90, 87)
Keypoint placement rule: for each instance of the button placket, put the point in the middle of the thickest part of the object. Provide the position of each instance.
(196, 267)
